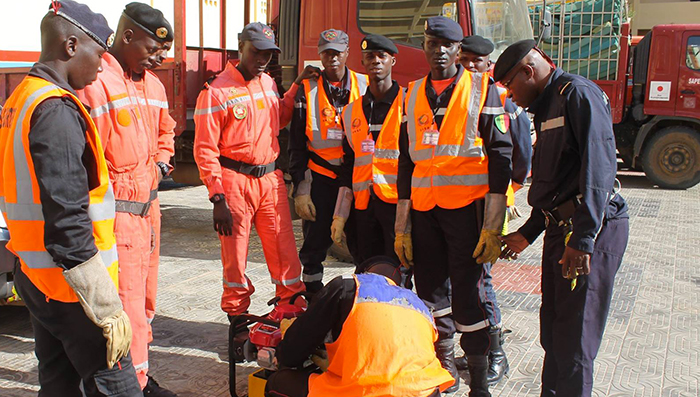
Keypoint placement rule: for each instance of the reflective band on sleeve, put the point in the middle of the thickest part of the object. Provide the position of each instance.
(552, 124)
(442, 312)
(287, 282)
(307, 278)
(141, 367)
(473, 327)
(493, 110)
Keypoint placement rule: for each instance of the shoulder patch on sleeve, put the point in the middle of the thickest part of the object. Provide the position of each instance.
(564, 88)
(502, 122)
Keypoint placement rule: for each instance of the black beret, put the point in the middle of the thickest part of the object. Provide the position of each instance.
(260, 35)
(150, 20)
(375, 42)
(444, 28)
(477, 45)
(511, 56)
(93, 24)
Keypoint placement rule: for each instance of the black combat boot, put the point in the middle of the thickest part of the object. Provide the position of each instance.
(445, 350)
(498, 362)
(153, 389)
(478, 369)
(236, 334)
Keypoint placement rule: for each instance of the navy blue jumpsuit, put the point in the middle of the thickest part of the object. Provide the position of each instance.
(575, 156)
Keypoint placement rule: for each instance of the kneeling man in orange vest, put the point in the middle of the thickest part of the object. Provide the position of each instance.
(379, 337)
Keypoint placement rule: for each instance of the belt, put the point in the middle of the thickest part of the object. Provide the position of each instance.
(561, 215)
(245, 168)
(136, 207)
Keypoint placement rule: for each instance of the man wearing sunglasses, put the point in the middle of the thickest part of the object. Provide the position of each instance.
(575, 202)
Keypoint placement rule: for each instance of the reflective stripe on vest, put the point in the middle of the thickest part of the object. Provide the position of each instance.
(19, 192)
(368, 359)
(378, 169)
(322, 115)
(453, 173)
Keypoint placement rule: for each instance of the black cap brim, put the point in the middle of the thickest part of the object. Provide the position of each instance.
(265, 45)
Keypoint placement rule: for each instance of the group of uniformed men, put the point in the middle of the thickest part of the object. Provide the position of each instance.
(419, 181)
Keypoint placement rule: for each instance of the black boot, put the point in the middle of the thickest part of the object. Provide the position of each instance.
(498, 362)
(461, 363)
(236, 334)
(153, 389)
(445, 350)
(478, 368)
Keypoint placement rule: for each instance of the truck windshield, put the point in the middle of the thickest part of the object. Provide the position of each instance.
(502, 21)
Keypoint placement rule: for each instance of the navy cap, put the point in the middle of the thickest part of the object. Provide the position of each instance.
(444, 28)
(93, 24)
(261, 35)
(477, 45)
(511, 56)
(375, 42)
(150, 20)
(333, 39)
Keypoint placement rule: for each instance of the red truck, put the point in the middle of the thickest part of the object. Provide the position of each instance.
(653, 86)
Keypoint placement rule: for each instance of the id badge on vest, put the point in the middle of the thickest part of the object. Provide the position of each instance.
(334, 133)
(368, 146)
(431, 137)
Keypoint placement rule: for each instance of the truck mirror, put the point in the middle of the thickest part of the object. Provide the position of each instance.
(545, 26)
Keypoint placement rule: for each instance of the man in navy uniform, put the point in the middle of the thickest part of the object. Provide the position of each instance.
(574, 201)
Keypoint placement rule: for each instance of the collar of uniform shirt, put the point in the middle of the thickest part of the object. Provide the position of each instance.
(337, 94)
(388, 97)
(433, 97)
(45, 72)
(546, 93)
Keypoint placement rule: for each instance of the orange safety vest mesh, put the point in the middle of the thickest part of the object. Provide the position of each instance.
(19, 192)
(385, 347)
(322, 115)
(453, 173)
(503, 94)
(378, 170)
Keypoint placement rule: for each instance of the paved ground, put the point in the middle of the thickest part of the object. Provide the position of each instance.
(651, 346)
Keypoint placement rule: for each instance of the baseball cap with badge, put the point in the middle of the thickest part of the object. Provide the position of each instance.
(93, 24)
(260, 35)
(333, 39)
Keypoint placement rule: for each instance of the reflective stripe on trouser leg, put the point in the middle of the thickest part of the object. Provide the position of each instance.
(273, 222)
(242, 195)
(134, 249)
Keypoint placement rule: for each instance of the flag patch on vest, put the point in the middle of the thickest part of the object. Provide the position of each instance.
(502, 122)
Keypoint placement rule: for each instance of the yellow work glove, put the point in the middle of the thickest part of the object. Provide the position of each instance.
(337, 228)
(285, 324)
(98, 296)
(304, 207)
(320, 358)
(489, 247)
(403, 246)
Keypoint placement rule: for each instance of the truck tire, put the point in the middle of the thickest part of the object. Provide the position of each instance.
(671, 158)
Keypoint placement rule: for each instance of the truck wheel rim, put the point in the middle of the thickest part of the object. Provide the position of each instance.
(677, 158)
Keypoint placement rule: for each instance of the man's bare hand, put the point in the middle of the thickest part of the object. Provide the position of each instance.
(514, 244)
(575, 263)
(309, 72)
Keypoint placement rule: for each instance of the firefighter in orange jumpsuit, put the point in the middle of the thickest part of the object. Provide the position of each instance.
(130, 108)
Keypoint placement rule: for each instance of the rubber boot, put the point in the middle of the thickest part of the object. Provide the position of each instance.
(232, 354)
(478, 370)
(498, 362)
(445, 350)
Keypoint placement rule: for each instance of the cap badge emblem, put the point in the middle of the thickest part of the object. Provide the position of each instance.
(364, 44)
(240, 111)
(267, 32)
(110, 40)
(162, 32)
(330, 35)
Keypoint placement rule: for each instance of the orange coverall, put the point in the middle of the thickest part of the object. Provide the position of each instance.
(241, 120)
(137, 131)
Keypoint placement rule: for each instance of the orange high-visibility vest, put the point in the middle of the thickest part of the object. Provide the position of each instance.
(322, 115)
(503, 94)
(380, 168)
(453, 173)
(19, 192)
(385, 347)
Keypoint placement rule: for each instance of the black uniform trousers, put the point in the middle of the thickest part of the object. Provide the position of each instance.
(295, 383)
(70, 349)
(317, 234)
(572, 322)
(447, 277)
(375, 230)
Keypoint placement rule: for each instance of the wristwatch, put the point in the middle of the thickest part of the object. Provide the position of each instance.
(217, 197)
(164, 168)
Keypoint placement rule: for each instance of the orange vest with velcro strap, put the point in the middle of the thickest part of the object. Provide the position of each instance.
(503, 94)
(322, 115)
(379, 169)
(453, 173)
(385, 347)
(19, 192)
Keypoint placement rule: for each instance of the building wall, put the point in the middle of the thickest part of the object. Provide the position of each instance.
(648, 13)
